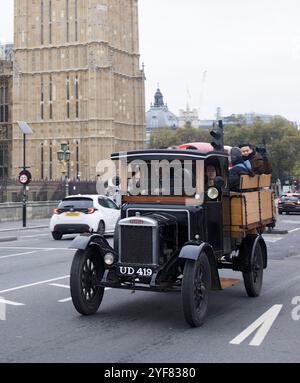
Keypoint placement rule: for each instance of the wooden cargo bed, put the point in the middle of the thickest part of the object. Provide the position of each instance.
(253, 208)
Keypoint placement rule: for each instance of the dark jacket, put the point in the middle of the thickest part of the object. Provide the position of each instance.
(259, 164)
(240, 167)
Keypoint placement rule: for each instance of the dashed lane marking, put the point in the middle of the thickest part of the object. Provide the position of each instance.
(59, 285)
(292, 231)
(70, 299)
(17, 255)
(36, 235)
(35, 248)
(34, 284)
(272, 239)
(65, 300)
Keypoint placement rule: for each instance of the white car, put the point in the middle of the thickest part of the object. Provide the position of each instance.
(84, 214)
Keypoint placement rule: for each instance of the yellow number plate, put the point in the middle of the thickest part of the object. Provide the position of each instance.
(72, 214)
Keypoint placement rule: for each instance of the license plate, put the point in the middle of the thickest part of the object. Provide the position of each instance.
(72, 214)
(135, 271)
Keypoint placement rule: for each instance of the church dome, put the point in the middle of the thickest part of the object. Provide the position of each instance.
(159, 116)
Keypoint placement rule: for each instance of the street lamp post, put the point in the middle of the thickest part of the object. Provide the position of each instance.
(25, 176)
(64, 157)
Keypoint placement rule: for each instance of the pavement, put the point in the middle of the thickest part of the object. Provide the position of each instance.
(9, 231)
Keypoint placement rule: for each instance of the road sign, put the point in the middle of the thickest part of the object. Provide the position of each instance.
(25, 177)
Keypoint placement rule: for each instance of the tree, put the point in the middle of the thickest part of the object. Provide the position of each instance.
(282, 139)
(163, 138)
(166, 137)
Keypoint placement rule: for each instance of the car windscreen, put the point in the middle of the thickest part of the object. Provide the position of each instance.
(76, 204)
(162, 178)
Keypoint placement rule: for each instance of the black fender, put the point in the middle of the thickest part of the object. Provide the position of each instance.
(247, 251)
(193, 251)
(82, 242)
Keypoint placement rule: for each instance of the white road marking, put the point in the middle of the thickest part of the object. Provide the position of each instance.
(264, 323)
(273, 239)
(34, 236)
(59, 285)
(292, 231)
(4, 301)
(36, 248)
(65, 300)
(69, 299)
(34, 284)
(17, 255)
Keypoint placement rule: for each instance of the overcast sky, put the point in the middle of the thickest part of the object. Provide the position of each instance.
(250, 51)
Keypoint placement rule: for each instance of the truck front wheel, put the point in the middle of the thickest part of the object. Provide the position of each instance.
(196, 286)
(86, 272)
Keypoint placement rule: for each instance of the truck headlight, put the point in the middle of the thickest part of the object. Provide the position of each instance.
(109, 259)
(213, 193)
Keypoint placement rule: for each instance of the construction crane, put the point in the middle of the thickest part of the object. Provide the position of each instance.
(203, 82)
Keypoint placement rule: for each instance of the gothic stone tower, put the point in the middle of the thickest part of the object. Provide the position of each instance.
(77, 79)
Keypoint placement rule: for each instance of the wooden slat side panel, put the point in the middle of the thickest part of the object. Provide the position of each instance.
(267, 205)
(265, 181)
(248, 182)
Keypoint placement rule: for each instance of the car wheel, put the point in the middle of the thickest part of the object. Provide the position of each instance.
(57, 235)
(196, 286)
(101, 228)
(86, 272)
(280, 212)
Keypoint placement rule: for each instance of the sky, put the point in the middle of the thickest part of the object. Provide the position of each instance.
(240, 55)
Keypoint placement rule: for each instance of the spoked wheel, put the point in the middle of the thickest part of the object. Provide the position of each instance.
(196, 286)
(253, 280)
(86, 272)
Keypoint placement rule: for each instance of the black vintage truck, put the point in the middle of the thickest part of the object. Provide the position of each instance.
(176, 238)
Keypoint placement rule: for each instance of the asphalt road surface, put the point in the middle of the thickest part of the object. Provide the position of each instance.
(38, 322)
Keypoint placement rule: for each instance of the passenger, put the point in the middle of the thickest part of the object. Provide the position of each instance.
(211, 174)
(259, 163)
(240, 167)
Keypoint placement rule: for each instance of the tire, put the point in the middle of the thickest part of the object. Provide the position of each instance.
(280, 212)
(196, 286)
(57, 235)
(253, 280)
(86, 271)
(101, 228)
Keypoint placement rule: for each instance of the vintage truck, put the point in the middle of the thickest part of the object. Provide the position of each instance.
(176, 238)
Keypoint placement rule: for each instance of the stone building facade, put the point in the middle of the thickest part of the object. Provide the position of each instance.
(77, 79)
(6, 102)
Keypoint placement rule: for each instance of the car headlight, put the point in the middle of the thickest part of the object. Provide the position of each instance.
(213, 193)
(109, 259)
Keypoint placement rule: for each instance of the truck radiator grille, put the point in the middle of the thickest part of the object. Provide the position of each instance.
(136, 245)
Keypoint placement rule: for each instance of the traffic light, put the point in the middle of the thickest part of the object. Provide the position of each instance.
(218, 137)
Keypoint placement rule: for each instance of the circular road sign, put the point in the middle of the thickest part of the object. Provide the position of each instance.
(25, 177)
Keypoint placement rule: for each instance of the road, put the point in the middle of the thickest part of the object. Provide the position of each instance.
(41, 324)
